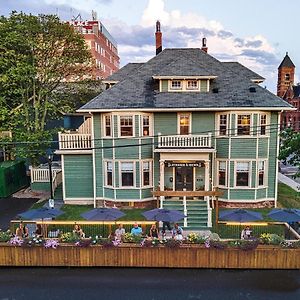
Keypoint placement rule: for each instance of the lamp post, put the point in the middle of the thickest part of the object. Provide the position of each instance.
(51, 200)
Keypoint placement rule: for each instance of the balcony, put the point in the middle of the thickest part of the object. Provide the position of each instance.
(184, 141)
(75, 141)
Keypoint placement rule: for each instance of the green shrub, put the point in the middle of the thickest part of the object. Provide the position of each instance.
(69, 237)
(5, 236)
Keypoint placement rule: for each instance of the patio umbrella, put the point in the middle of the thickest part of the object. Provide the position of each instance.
(240, 215)
(41, 213)
(162, 214)
(285, 214)
(103, 214)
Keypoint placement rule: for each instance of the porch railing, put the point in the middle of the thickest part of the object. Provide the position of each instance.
(74, 141)
(42, 175)
(185, 141)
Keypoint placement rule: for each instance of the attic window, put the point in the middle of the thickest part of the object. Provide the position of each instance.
(176, 85)
(215, 90)
(252, 89)
(192, 85)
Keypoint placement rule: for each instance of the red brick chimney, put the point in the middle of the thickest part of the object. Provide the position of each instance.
(158, 38)
(204, 48)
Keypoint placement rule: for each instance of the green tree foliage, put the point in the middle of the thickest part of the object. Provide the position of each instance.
(290, 147)
(37, 54)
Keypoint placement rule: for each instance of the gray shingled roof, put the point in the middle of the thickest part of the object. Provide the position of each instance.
(243, 71)
(124, 72)
(140, 91)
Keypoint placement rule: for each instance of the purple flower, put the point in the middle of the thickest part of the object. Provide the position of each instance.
(207, 244)
(51, 244)
(16, 241)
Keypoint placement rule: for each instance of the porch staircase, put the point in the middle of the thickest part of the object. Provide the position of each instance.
(196, 212)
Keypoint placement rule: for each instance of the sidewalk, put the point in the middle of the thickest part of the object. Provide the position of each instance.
(288, 181)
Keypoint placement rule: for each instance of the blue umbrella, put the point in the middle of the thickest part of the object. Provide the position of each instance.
(162, 214)
(240, 215)
(41, 213)
(285, 214)
(103, 214)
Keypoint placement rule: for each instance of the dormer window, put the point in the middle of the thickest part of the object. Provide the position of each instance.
(192, 85)
(176, 84)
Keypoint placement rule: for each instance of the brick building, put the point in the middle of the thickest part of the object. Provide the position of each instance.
(290, 92)
(102, 45)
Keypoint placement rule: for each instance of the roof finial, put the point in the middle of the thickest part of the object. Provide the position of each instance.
(157, 26)
(286, 53)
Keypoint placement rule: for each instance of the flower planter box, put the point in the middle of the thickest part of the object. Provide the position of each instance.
(133, 255)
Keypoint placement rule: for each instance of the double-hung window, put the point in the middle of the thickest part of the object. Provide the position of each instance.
(223, 121)
(146, 125)
(263, 124)
(242, 174)
(261, 173)
(127, 174)
(109, 173)
(243, 124)
(107, 124)
(184, 123)
(126, 125)
(146, 173)
(222, 173)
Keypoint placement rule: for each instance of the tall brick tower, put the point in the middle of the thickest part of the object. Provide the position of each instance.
(286, 74)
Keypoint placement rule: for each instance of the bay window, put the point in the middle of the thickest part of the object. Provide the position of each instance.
(126, 125)
(146, 173)
(261, 173)
(109, 173)
(146, 125)
(184, 124)
(263, 123)
(223, 120)
(243, 124)
(222, 173)
(107, 124)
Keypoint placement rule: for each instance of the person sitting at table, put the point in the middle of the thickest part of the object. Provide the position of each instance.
(22, 231)
(119, 232)
(177, 232)
(38, 230)
(136, 230)
(246, 233)
(77, 230)
(153, 232)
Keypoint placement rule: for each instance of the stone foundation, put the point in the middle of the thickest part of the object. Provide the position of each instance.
(146, 204)
(262, 204)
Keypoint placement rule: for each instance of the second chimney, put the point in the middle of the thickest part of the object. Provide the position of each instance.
(158, 38)
(204, 48)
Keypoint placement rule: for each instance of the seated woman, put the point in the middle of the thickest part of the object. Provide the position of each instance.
(22, 231)
(77, 230)
(38, 230)
(153, 233)
(246, 233)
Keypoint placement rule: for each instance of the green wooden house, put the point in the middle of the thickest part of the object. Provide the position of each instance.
(183, 121)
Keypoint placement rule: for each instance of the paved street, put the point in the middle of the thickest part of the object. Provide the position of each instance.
(154, 284)
(10, 207)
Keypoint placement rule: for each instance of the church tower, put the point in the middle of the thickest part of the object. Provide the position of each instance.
(286, 74)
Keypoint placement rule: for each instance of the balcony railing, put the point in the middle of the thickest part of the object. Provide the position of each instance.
(74, 141)
(184, 141)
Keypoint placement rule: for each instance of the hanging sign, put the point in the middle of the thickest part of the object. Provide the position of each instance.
(171, 164)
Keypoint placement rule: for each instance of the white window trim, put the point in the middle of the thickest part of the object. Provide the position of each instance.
(197, 88)
(150, 125)
(268, 127)
(249, 177)
(105, 174)
(111, 126)
(251, 124)
(134, 175)
(175, 89)
(150, 173)
(265, 185)
(119, 126)
(218, 124)
(178, 121)
(226, 173)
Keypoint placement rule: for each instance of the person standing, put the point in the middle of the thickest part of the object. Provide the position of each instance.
(153, 233)
(119, 232)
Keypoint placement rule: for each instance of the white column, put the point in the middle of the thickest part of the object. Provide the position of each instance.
(206, 179)
(184, 210)
(162, 180)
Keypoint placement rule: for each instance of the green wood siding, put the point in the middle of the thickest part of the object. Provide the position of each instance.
(272, 158)
(164, 85)
(156, 169)
(231, 173)
(117, 177)
(263, 147)
(97, 126)
(225, 193)
(107, 148)
(203, 85)
(261, 194)
(147, 150)
(131, 151)
(99, 166)
(137, 125)
(116, 125)
(242, 194)
(168, 174)
(222, 147)
(253, 179)
(165, 123)
(254, 128)
(243, 148)
(137, 174)
(203, 123)
(146, 193)
(109, 193)
(128, 194)
(78, 171)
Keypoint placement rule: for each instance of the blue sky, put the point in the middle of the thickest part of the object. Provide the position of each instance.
(256, 33)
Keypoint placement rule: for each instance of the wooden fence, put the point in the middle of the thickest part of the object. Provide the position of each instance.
(128, 255)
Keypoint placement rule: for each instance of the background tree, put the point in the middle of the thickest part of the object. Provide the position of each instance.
(37, 55)
(290, 148)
